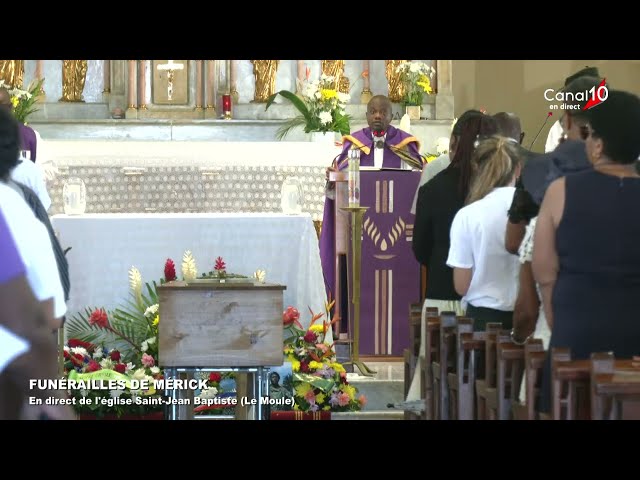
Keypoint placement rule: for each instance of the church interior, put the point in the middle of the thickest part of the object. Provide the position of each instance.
(193, 200)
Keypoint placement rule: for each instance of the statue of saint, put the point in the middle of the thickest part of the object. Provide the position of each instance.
(265, 73)
(335, 69)
(12, 72)
(74, 74)
(396, 89)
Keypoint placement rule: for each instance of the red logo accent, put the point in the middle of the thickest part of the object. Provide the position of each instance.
(595, 98)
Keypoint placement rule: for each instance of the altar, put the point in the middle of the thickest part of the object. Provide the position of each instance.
(105, 246)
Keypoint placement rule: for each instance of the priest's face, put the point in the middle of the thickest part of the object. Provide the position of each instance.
(379, 113)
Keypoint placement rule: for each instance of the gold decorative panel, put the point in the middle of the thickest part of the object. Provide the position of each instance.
(174, 83)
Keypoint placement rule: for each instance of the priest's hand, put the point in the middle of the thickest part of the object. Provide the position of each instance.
(328, 171)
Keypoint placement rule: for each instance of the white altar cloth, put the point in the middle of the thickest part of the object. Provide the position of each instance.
(105, 246)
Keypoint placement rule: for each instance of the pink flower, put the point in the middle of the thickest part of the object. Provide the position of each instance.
(343, 399)
(290, 315)
(322, 347)
(147, 360)
(363, 400)
(310, 396)
(220, 265)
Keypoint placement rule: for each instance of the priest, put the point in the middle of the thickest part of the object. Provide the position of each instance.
(381, 145)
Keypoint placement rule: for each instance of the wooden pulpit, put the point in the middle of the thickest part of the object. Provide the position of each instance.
(390, 274)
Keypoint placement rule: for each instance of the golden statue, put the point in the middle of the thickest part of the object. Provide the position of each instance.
(265, 73)
(12, 72)
(396, 89)
(74, 74)
(335, 69)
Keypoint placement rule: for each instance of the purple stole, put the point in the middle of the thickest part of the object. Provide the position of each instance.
(29, 140)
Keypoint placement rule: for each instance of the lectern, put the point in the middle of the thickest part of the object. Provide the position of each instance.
(390, 274)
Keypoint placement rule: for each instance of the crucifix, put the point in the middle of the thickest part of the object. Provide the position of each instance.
(170, 68)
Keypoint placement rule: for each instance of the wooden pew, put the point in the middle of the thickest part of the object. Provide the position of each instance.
(534, 355)
(569, 386)
(487, 369)
(440, 368)
(614, 388)
(510, 369)
(432, 354)
(470, 349)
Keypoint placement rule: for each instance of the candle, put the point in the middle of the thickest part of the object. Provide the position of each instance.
(226, 106)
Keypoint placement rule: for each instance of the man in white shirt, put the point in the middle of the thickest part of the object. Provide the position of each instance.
(29, 174)
(29, 233)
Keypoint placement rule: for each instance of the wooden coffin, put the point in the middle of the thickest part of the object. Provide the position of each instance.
(207, 324)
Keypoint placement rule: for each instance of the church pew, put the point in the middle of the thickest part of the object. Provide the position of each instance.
(487, 369)
(469, 344)
(534, 355)
(569, 386)
(432, 354)
(440, 368)
(510, 369)
(412, 354)
(614, 388)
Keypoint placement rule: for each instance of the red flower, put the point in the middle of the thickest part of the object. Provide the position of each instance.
(120, 367)
(220, 265)
(79, 358)
(310, 337)
(291, 315)
(169, 270)
(304, 366)
(93, 366)
(115, 355)
(74, 342)
(215, 377)
(99, 317)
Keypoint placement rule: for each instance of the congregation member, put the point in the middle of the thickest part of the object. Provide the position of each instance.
(438, 202)
(585, 255)
(484, 273)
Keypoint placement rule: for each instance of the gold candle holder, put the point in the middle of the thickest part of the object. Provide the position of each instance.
(357, 213)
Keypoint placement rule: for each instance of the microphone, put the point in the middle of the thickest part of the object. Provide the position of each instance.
(539, 131)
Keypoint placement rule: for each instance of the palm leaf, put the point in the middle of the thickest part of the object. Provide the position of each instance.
(284, 130)
(293, 98)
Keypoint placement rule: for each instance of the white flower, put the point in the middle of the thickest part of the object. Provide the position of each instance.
(325, 118)
(151, 311)
(209, 392)
(116, 393)
(135, 281)
(79, 350)
(318, 95)
(144, 347)
(155, 370)
(66, 348)
(129, 367)
(189, 270)
(139, 374)
(151, 341)
(97, 355)
(107, 363)
(414, 67)
(343, 97)
(260, 275)
(84, 392)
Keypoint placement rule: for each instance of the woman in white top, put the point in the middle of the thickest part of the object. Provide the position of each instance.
(484, 273)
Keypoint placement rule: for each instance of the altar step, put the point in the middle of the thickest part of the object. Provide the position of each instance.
(385, 387)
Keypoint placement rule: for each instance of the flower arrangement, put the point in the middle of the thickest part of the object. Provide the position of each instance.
(319, 382)
(416, 79)
(219, 398)
(321, 107)
(24, 100)
(98, 365)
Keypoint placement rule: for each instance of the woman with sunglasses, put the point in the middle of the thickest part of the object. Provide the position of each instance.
(586, 257)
